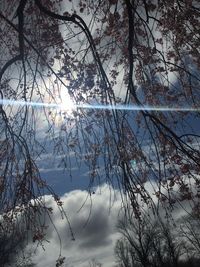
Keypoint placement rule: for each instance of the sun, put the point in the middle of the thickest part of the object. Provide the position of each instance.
(61, 106)
(66, 104)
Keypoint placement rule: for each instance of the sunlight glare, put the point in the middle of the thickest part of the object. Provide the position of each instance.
(66, 104)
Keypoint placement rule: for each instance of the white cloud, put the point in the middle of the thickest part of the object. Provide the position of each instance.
(93, 220)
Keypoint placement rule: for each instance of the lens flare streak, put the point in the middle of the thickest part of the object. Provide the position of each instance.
(63, 107)
(136, 108)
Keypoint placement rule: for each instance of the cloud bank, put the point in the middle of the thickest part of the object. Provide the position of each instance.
(93, 219)
(92, 233)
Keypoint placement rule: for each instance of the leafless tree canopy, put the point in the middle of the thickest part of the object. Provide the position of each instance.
(157, 242)
(142, 54)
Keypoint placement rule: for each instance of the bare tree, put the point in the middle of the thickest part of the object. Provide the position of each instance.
(95, 263)
(13, 250)
(148, 242)
(157, 242)
(189, 230)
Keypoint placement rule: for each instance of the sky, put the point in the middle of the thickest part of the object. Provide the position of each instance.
(93, 213)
